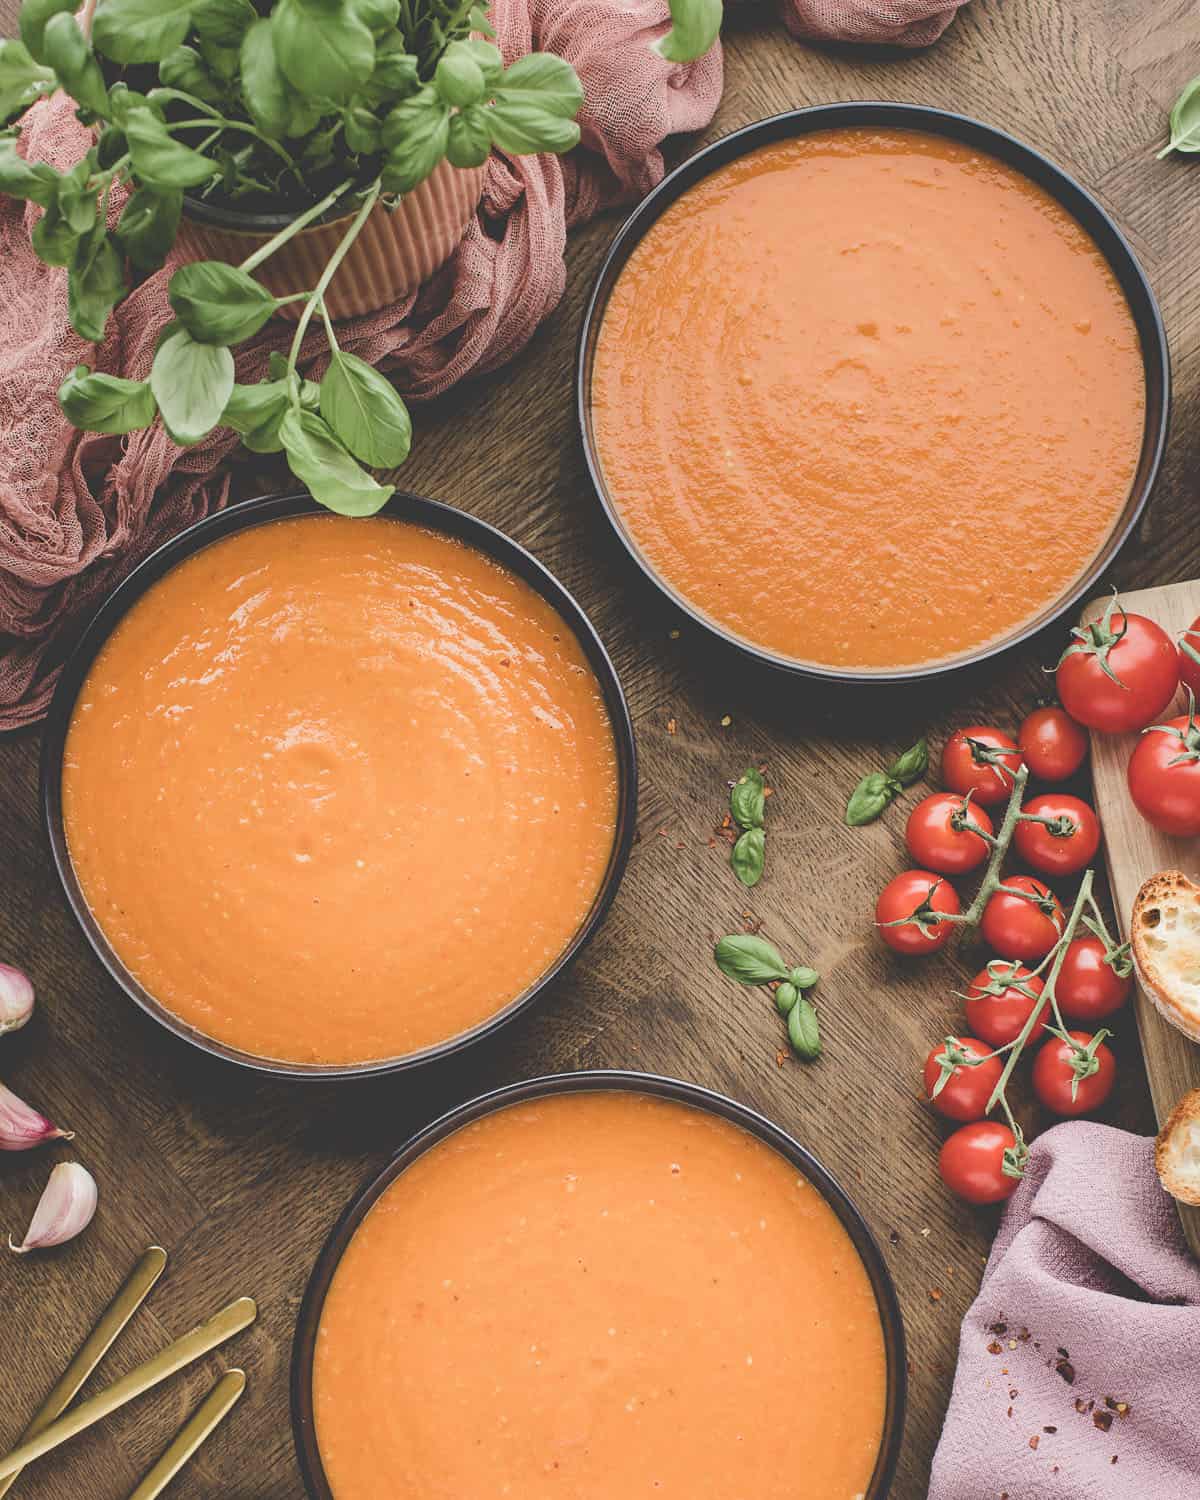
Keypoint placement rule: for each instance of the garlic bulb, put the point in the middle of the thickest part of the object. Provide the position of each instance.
(16, 998)
(64, 1209)
(21, 1126)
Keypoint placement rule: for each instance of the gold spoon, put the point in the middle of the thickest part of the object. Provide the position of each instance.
(207, 1415)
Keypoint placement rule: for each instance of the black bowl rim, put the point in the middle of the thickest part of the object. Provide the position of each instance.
(264, 510)
(1096, 221)
(588, 1081)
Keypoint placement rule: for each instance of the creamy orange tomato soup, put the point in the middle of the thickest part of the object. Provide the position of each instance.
(336, 790)
(868, 398)
(600, 1296)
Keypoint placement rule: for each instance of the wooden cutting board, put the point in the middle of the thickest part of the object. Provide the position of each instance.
(1134, 851)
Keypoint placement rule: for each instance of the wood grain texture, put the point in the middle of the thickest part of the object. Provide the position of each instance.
(1134, 851)
(241, 1178)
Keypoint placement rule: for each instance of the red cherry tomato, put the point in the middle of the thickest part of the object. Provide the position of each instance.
(1067, 844)
(1189, 657)
(922, 894)
(999, 1001)
(965, 1094)
(1054, 1074)
(1052, 743)
(981, 760)
(1119, 672)
(939, 835)
(1088, 989)
(1164, 777)
(972, 1162)
(1020, 927)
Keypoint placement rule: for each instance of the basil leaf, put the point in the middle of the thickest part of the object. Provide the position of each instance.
(377, 15)
(415, 134)
(458, 77)
(396, 74)
(469, 141)
(323, 47)
(364, 134)
(803, 977)
(68, 53)
(487, 59)
(183, 68)
(32, 20)
(192, 383)
(748, 799)
(749, 959)
(521, 127)
(105, 403)
(319, 461)
(111, 146)
(21, 79)
(70, 214)
(95, 283)
(217, 303)
(786, 995)
(146, 229)
(695, 25)
(132, 31)
(223, 22)
(121, 100)
(223, 62)
(264, 87)
(160, 161)
(544, 79)
(803, 1031)
(748, 856)
(1185, 120)
(19, 178)
(479, 21)
(365, 412)
(912, 765)
(868, 799)
(255, 412)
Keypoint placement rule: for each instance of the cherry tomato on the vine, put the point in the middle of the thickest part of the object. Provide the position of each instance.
(1067, 843)
(922, 895)
(999, 1001)
(982, 760)
(1023, 926)
(965, 1094)
(972, 1162)
(1053, 745)
(1189, 657)
(1119, 672)
(1057, 1066)
(1088, 989)
(1164, 776)
(939, 834)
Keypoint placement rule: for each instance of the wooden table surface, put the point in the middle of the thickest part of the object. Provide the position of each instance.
(241, 1179)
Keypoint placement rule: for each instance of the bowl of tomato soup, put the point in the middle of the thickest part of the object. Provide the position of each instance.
(608, 1285)
(872, 391)
(333, 796)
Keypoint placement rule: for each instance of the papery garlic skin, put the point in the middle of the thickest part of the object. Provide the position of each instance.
(21, 1126)
(65, 1209)
(16, 998)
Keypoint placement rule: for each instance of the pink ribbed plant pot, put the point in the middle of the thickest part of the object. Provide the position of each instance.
(396, 249)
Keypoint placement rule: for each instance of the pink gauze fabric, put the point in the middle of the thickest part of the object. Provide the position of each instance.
(77, 511)
(1090, 1278)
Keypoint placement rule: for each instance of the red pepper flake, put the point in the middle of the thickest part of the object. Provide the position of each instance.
(672, 726)
(1080, 1404)
(1010, 1411)
(1013, 1394)
(935, 1294)
(1113, 1459)
(1103, 1420)
(1034, 1441)
(780, 1059)
(995, 1348)
(1122, 1408)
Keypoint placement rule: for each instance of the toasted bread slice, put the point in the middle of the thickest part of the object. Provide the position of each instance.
(1164, 931)
(1177, 1150)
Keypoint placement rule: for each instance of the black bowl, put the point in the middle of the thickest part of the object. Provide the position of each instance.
(431, 513)
(304, 1345)
(1093, 218)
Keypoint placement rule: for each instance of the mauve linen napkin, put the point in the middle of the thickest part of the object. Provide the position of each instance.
(1079, 1365)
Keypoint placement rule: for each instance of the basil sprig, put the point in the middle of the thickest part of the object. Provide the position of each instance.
(878, 789)
(751, 960)
(335, 106)
(1185, 121)
(747, 804)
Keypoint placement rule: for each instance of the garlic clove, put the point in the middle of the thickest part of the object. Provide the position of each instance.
(21, 1126)
(64, 1209)
(16, 998)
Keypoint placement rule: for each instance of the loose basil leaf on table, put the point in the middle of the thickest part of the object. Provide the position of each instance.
(319, 460)
(912, 764)
(95, 402)
(161, 161)
(748, 856)
(749, 959)
(323, 49)
(148, 223)
(803, 1030)
(218, 303)
(67, 52)
(1185, 121)
(192, 383)
(695, 25)
(365, 411)
(747, 798)
(95, 283)
(139, 31)
(868, 799)
(22, 79)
